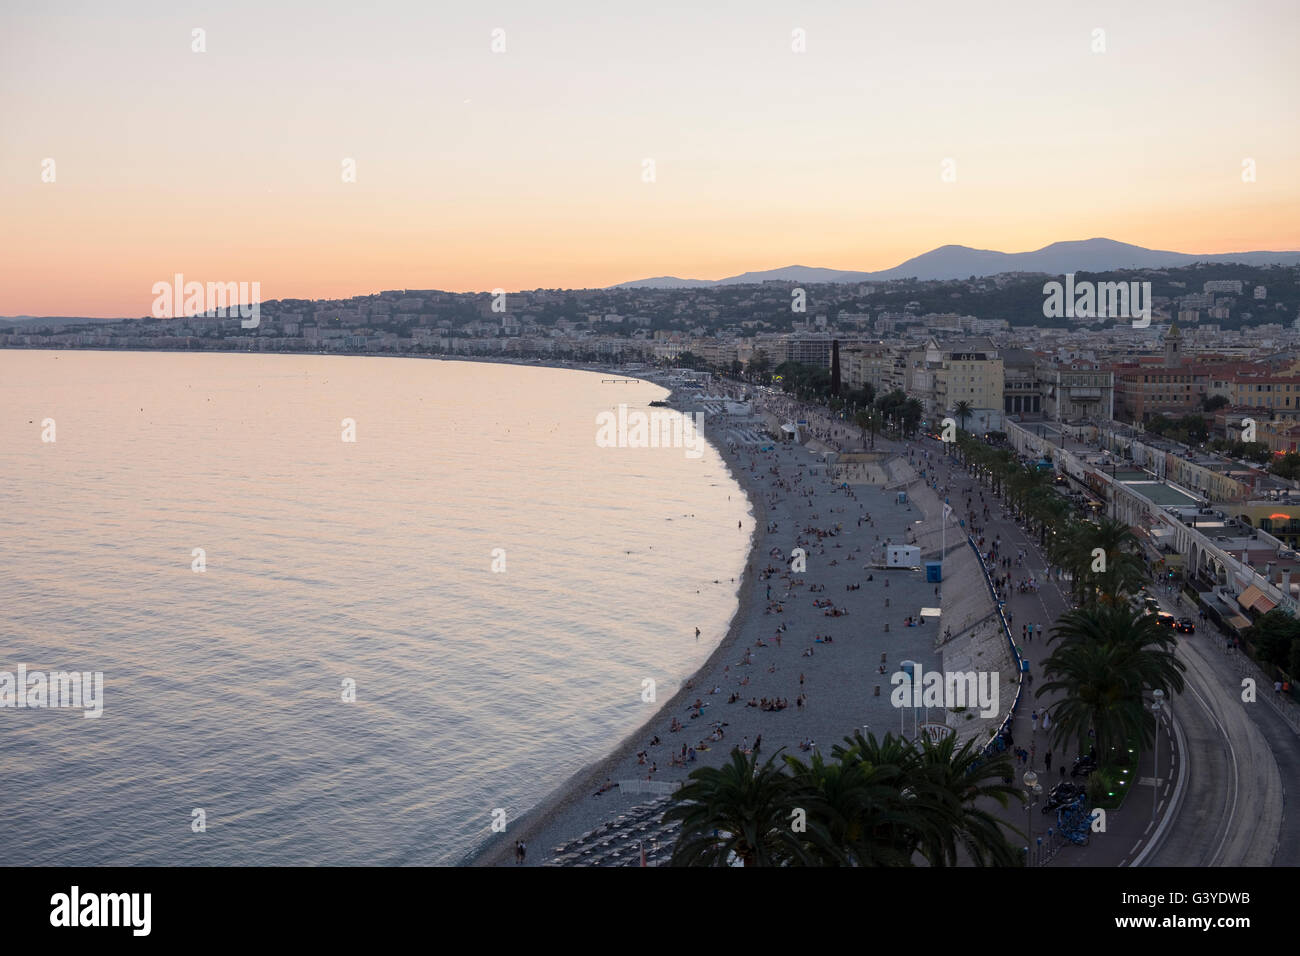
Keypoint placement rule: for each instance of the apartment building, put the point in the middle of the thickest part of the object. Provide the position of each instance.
(719, 353)
(1279, 393)
(1022, 389)
(1282, 437)
(1222, 285)
(940, 376)
(868, 363)
(1077, 391)
(1160, 385)
(807, 348)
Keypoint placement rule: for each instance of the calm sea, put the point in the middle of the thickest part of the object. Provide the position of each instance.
(332, 564)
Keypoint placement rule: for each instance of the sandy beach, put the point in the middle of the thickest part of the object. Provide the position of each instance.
(812, 650)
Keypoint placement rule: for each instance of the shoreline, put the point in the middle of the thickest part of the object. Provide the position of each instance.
(571, 365)
(804, 499)
(563, 811)
(570, 792)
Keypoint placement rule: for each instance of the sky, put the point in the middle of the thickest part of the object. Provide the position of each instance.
(609, 141)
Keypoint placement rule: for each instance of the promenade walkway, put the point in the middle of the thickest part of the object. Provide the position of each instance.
(1130, 830)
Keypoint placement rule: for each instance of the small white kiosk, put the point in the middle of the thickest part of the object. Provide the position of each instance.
(902, 556)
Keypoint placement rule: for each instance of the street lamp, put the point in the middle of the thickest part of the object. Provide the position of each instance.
(1158, 697)
(1032, 789)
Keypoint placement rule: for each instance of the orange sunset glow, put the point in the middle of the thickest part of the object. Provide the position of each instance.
(524, 167)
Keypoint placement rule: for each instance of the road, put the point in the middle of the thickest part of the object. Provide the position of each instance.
(1239, 762)
(1234, 808)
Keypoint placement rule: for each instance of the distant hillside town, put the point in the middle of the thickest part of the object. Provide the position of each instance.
(1183, 420)
(1237, 308)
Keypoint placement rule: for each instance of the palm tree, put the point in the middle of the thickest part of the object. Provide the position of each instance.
(1049, 510)
(1029, 491)
(1136, 632)
(1002, 465)
(877, 803)
(1099, 698)
(959, 784)
(1066, 551)
(962, 410)
(857, 802)
(912, 410)
(1108, 657)
(1017, 484)
(981, 457)
(738, 809)
(941, 787)
(868, 420)
(1118, 570)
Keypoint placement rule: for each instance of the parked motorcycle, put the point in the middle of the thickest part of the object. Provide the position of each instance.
(1061, 794)
(1083, 766)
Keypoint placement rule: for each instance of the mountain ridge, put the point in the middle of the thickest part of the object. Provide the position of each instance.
(960, 262)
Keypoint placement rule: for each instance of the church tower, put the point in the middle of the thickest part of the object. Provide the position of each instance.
(1173, 346)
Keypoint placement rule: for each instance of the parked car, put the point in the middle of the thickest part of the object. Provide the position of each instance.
(1165, 619)
(1145, 603)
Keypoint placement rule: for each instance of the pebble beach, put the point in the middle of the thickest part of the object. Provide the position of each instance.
(809, 655)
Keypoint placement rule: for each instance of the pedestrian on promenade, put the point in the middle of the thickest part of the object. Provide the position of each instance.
(1047, 721)
(1048, 764)
(1034, 719)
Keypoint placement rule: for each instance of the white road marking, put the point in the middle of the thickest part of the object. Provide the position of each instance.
(1236, 783)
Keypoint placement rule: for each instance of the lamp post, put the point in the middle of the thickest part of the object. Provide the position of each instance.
(1157, 709)
(1032, 790)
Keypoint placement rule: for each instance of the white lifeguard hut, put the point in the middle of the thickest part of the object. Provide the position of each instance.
(902, 556)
